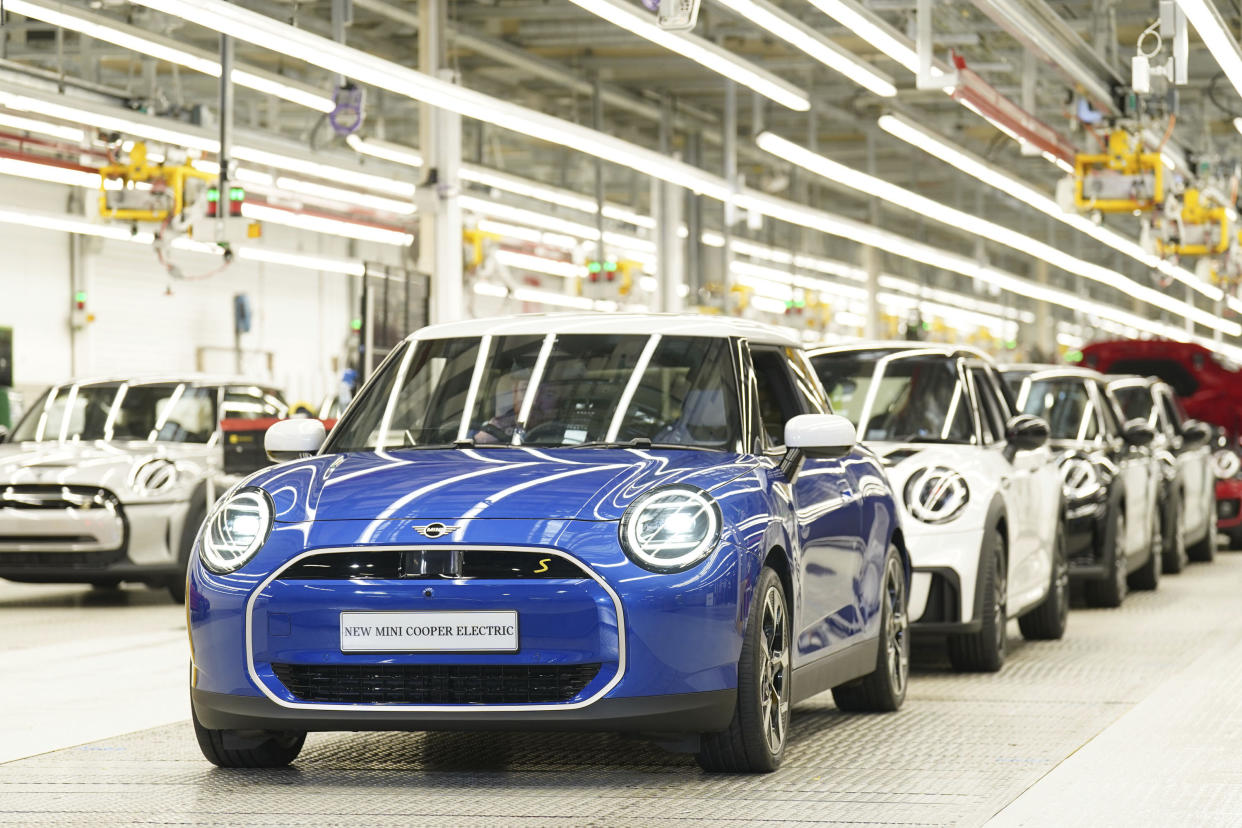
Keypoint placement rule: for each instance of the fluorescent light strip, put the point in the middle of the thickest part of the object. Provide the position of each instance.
(387, 205)
(703, 52)
(504, 182)
(403, 189)
(871, 29)
(797, 34)
(268, 33)
(543, 297)
(906, 129)
(540, 264)
(129, 37)
(66, 133)
(901, 197)
(320, 224)
(49, 173)
(1215, 34)
(278, 257)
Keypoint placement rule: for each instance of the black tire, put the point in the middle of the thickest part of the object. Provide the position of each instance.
(1047, 621)
(1111, 590)
(984, 651)
(755, 740)
(105, 586)
(1205, 550)
(1235, 539)
(248, 748)
(1173, 544)
(1147, 576)
(884, 689)
(189, 531)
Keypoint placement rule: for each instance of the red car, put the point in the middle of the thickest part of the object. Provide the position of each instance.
(1209, 388)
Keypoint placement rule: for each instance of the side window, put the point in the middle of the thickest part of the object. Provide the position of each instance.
(991, 407)
(807, 384)
(1114, 426)
(251, 403)
(778, 400)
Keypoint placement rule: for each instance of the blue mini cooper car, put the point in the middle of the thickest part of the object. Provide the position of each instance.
(650, 524)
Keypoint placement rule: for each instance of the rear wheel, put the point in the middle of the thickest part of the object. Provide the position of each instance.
(755, 740)
(1047, 622)
(1147, 576)
(1235, 538)
(984, 651)
(248, 748)
(884, 689)
(1111, 590)
(1174, 541)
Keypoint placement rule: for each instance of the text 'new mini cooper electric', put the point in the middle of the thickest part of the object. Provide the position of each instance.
(627, 523)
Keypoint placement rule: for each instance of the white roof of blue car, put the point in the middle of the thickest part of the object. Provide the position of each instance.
(668, 324)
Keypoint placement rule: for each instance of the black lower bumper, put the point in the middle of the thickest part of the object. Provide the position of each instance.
(708, 712)
(68, 573)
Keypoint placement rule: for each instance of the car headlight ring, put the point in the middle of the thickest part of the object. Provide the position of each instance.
(1080, 479)
(670, 529)
(235, 530)
(936, 495)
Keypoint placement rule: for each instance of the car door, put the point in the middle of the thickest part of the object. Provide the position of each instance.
(1134, 463)
(827, 511)
(1193, 468)
(1024, 488)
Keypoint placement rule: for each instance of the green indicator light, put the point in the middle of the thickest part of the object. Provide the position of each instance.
(1011, 344)
(800, 303)
(1073, 356)
(236, 193)
(927, 326)
(213, 194)
(594, 267)
(355, 324)
(80, 296)
(610, 266)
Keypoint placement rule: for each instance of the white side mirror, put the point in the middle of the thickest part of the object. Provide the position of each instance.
(293, 439)
(822, 434)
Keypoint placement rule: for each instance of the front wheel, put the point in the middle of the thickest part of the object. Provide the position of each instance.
(1205, 550)
(1047, 621)
(1111, 590)
(248, 748)
(884, 689)
(1173, 542)
(984, 651)
(1147, 576)
(755, 740)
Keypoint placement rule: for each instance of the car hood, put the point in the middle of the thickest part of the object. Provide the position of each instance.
(452, 484)
(128, 469)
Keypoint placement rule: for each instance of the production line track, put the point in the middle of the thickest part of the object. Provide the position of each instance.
(1134, 719)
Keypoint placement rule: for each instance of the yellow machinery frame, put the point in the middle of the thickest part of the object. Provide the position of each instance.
(1121, 158)
(1195, 213)
(137, 169)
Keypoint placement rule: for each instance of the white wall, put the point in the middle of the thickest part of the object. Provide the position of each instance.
(147, 322)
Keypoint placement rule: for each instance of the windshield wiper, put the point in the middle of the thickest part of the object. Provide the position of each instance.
(639, 442)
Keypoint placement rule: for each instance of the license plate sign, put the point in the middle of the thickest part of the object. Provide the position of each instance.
(429, 632)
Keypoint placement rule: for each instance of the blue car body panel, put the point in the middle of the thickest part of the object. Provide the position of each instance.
(652, 633)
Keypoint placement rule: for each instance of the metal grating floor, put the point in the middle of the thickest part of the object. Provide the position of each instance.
(963, 749)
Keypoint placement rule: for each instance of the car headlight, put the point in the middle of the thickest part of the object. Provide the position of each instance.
(1079, 479)
(1226, 464)
(235, 530)
(671, 528)
(936, 495)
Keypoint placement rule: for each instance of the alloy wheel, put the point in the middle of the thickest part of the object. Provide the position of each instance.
(1000, 599)
(897, 632)
(774, 682)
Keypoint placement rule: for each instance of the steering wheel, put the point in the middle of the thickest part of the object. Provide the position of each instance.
(545, 430)
(495, 431)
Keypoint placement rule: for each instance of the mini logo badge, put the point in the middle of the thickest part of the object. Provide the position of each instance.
(936, 495)
(435, 530)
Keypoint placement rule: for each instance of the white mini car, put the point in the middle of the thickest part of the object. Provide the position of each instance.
(981, 495)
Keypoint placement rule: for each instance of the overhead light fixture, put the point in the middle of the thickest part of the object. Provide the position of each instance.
(540, 264)
(915, 134)
(49, 172)
(802, 37)
(703, 52)
(543, 297)
(873, 30)
(1216, 36)
(339, 194)
(65, 133)
(137, 40)
(362, 67)
(906, 199)
(299, 260)
(388, 152)
(323, 224)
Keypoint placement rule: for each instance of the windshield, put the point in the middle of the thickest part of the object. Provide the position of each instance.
(554, 390)
(1066, 405)
(1013, 382)
(1136, 402)
(172, 412)
(918, 398)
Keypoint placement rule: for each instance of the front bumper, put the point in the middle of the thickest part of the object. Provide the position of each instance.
(1229, 505)
(651, 635)
(705, 712)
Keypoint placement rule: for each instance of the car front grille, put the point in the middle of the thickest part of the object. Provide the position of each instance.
(431, 564)
(60, 560)
(465, 684)
(42, 497)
